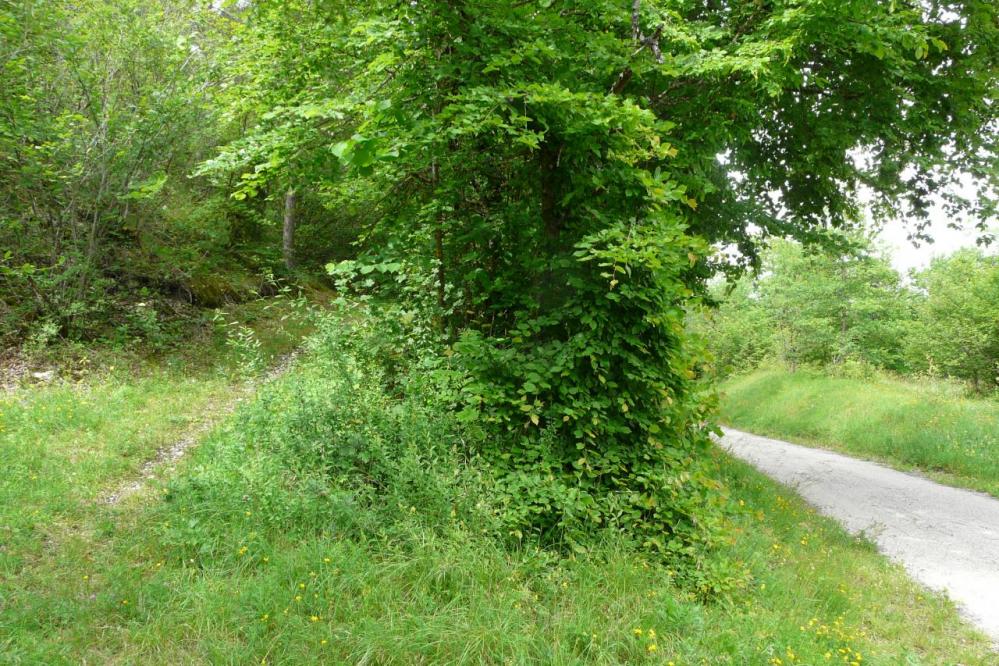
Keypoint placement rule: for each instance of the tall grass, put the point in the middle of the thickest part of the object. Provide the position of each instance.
(928, 426)
(331, 521)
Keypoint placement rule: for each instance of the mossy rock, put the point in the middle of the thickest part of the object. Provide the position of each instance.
(213, 291)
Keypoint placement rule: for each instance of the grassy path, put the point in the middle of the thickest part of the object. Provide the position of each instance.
(70, 451)
(63, 447)
(212, 414)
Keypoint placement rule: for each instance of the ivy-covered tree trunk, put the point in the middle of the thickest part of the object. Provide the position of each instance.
(585, 156)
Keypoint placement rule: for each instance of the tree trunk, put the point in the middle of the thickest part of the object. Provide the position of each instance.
(550, 213)
(550, 292)
(288, 247)
(445, 323)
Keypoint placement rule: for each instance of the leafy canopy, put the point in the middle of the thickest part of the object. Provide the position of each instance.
(550, 174)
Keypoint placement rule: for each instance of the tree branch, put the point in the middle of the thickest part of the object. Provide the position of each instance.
(622, 80)
(636, 34)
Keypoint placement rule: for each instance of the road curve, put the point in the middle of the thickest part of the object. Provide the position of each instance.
(946, 538)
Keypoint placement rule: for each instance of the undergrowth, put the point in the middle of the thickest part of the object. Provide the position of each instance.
(364, 438)
(340, 518)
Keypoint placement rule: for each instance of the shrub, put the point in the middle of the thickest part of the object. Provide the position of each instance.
(595, 420)
(327, 450)
(351, 446)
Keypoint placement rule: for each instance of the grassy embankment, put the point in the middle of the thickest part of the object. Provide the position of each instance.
(328, 521)
(927, 426)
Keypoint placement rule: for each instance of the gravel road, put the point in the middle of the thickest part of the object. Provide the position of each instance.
(946, 538)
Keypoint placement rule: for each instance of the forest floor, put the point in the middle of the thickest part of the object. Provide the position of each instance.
(945, 537)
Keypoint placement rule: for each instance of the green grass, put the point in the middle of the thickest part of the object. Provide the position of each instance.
(273, 545)
(925, 426)
(62, 443)
(65, 445)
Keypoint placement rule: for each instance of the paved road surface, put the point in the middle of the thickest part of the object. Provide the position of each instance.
(948, 539)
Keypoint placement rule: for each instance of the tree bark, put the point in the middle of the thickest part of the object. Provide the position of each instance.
(288, 246)
(445, 324)
(551, 216)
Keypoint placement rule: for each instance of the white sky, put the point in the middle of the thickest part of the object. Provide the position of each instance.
(905, 256)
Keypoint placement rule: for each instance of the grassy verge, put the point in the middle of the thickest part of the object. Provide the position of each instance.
(329, 522)
(106, 412)
(927, 427)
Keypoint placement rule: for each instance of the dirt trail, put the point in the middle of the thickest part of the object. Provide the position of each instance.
(946, 538)
(167, 457)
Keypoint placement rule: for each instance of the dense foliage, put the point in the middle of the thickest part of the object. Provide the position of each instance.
(107, 109)
(103, 110)
(957, 331)
(331, 450)
(536, 185)
(851, 311)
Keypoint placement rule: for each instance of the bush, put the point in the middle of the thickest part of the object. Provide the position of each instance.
(327, 450)
(589, 423)
(595, 421)
(362, 442)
